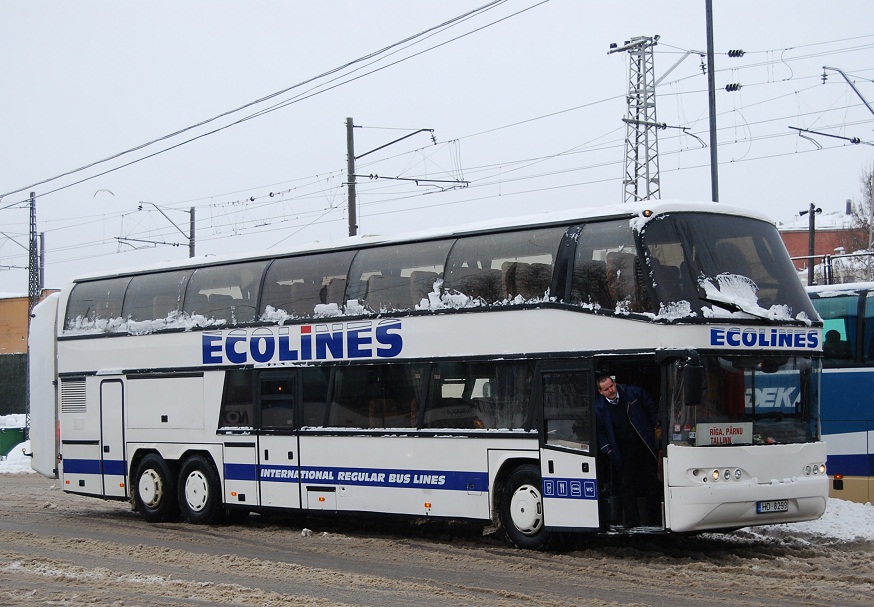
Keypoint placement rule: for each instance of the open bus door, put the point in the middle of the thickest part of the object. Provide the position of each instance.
(567, 449)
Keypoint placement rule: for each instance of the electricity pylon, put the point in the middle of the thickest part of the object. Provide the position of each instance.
(641, 180)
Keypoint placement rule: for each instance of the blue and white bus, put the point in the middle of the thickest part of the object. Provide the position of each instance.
(444, 374)
(847, 312)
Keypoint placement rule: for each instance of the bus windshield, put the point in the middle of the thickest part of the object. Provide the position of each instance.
(746, 400)
(710, 265)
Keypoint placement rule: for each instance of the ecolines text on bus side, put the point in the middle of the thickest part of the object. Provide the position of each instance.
(340, 340)
(749, 337)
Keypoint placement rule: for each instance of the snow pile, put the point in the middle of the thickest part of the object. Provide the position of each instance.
(739, 294)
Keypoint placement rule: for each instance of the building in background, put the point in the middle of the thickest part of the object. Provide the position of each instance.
(13, 352)
(839, 247)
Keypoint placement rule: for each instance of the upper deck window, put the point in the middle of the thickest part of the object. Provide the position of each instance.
(504, 267)
(226, 293)
(713, 265)
(397, 277)
(607, 270)
(302, 287)
(155, 296)
(95, 303)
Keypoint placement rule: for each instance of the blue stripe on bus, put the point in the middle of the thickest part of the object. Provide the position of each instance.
(570, 488)
(241, 472)
(112, 467)
(449, 480)
(851, 465)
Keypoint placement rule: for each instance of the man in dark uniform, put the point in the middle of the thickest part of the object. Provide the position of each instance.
(628, 434)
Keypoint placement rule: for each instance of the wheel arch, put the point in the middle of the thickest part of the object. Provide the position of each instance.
(504, 467)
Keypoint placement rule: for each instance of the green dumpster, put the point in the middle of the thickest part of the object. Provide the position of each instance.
(9, 439)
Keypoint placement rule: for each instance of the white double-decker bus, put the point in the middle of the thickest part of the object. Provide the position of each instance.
(444, 375)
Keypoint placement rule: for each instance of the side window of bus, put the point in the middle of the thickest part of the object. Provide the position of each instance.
(226, 293)
(276, 398)
(840, 322)
(868, 335)
(508, 266)
(299, 286)
(377, 396)
(668, 269)
(607, 271)
(155, 296)
(397, 277)
(567, 408)
(316, 381)
(237, 401)
(480, 395)
(95, 301)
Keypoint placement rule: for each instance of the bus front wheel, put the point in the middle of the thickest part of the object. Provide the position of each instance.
(155, 493)
(199, 491)
(522, 509)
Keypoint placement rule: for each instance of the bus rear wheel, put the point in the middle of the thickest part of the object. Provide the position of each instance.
(155, 491)
(200, 491)
(521, 509)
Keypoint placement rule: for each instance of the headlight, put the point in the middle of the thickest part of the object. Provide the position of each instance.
(715, 475)
(821, 468)
(808, 469)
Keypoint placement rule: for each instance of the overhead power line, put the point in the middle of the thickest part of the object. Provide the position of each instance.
(444, 25)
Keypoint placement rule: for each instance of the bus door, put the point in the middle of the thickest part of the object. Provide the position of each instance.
(113, 465)
(568, 450)
(278, 459)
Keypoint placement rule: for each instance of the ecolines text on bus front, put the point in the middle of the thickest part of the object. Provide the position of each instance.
(341, 340)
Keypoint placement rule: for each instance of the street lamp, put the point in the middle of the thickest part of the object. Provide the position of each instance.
(813, 211)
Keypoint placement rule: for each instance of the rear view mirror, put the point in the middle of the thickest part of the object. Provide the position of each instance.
(693, 383)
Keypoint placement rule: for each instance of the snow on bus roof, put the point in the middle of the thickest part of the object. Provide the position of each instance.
(632, 210)
(840, 289)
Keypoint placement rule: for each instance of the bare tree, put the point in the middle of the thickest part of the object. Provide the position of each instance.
(863, 221)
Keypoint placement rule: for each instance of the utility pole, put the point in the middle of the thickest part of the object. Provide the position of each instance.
(350, 167)
(711, 93)
(641, 180)
(33, 283)
(33, 293)
(350, 177)
(189, 236)
(42, 261)
(812, 212)
(191, 232)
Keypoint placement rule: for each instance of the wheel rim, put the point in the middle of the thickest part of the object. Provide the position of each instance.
(151, 488)
(526, 510)
(196, 491)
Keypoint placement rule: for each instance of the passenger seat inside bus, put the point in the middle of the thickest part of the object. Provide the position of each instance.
(197, 303)
(335, 291)
(304, 297)
(421, 285)
(388, 292)
(478, 283)
(590, 284)
(531, 280)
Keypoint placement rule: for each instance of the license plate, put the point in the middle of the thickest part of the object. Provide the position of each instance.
(772, 506)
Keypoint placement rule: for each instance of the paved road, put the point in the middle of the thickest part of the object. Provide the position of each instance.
(59, 549)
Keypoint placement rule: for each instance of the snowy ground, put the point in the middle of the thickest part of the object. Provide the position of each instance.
(843, 520)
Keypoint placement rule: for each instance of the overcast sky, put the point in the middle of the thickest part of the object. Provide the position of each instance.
(524, 101)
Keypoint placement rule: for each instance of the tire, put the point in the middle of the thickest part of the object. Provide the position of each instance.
(200, 498)
(521, 509)
(155, 490)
